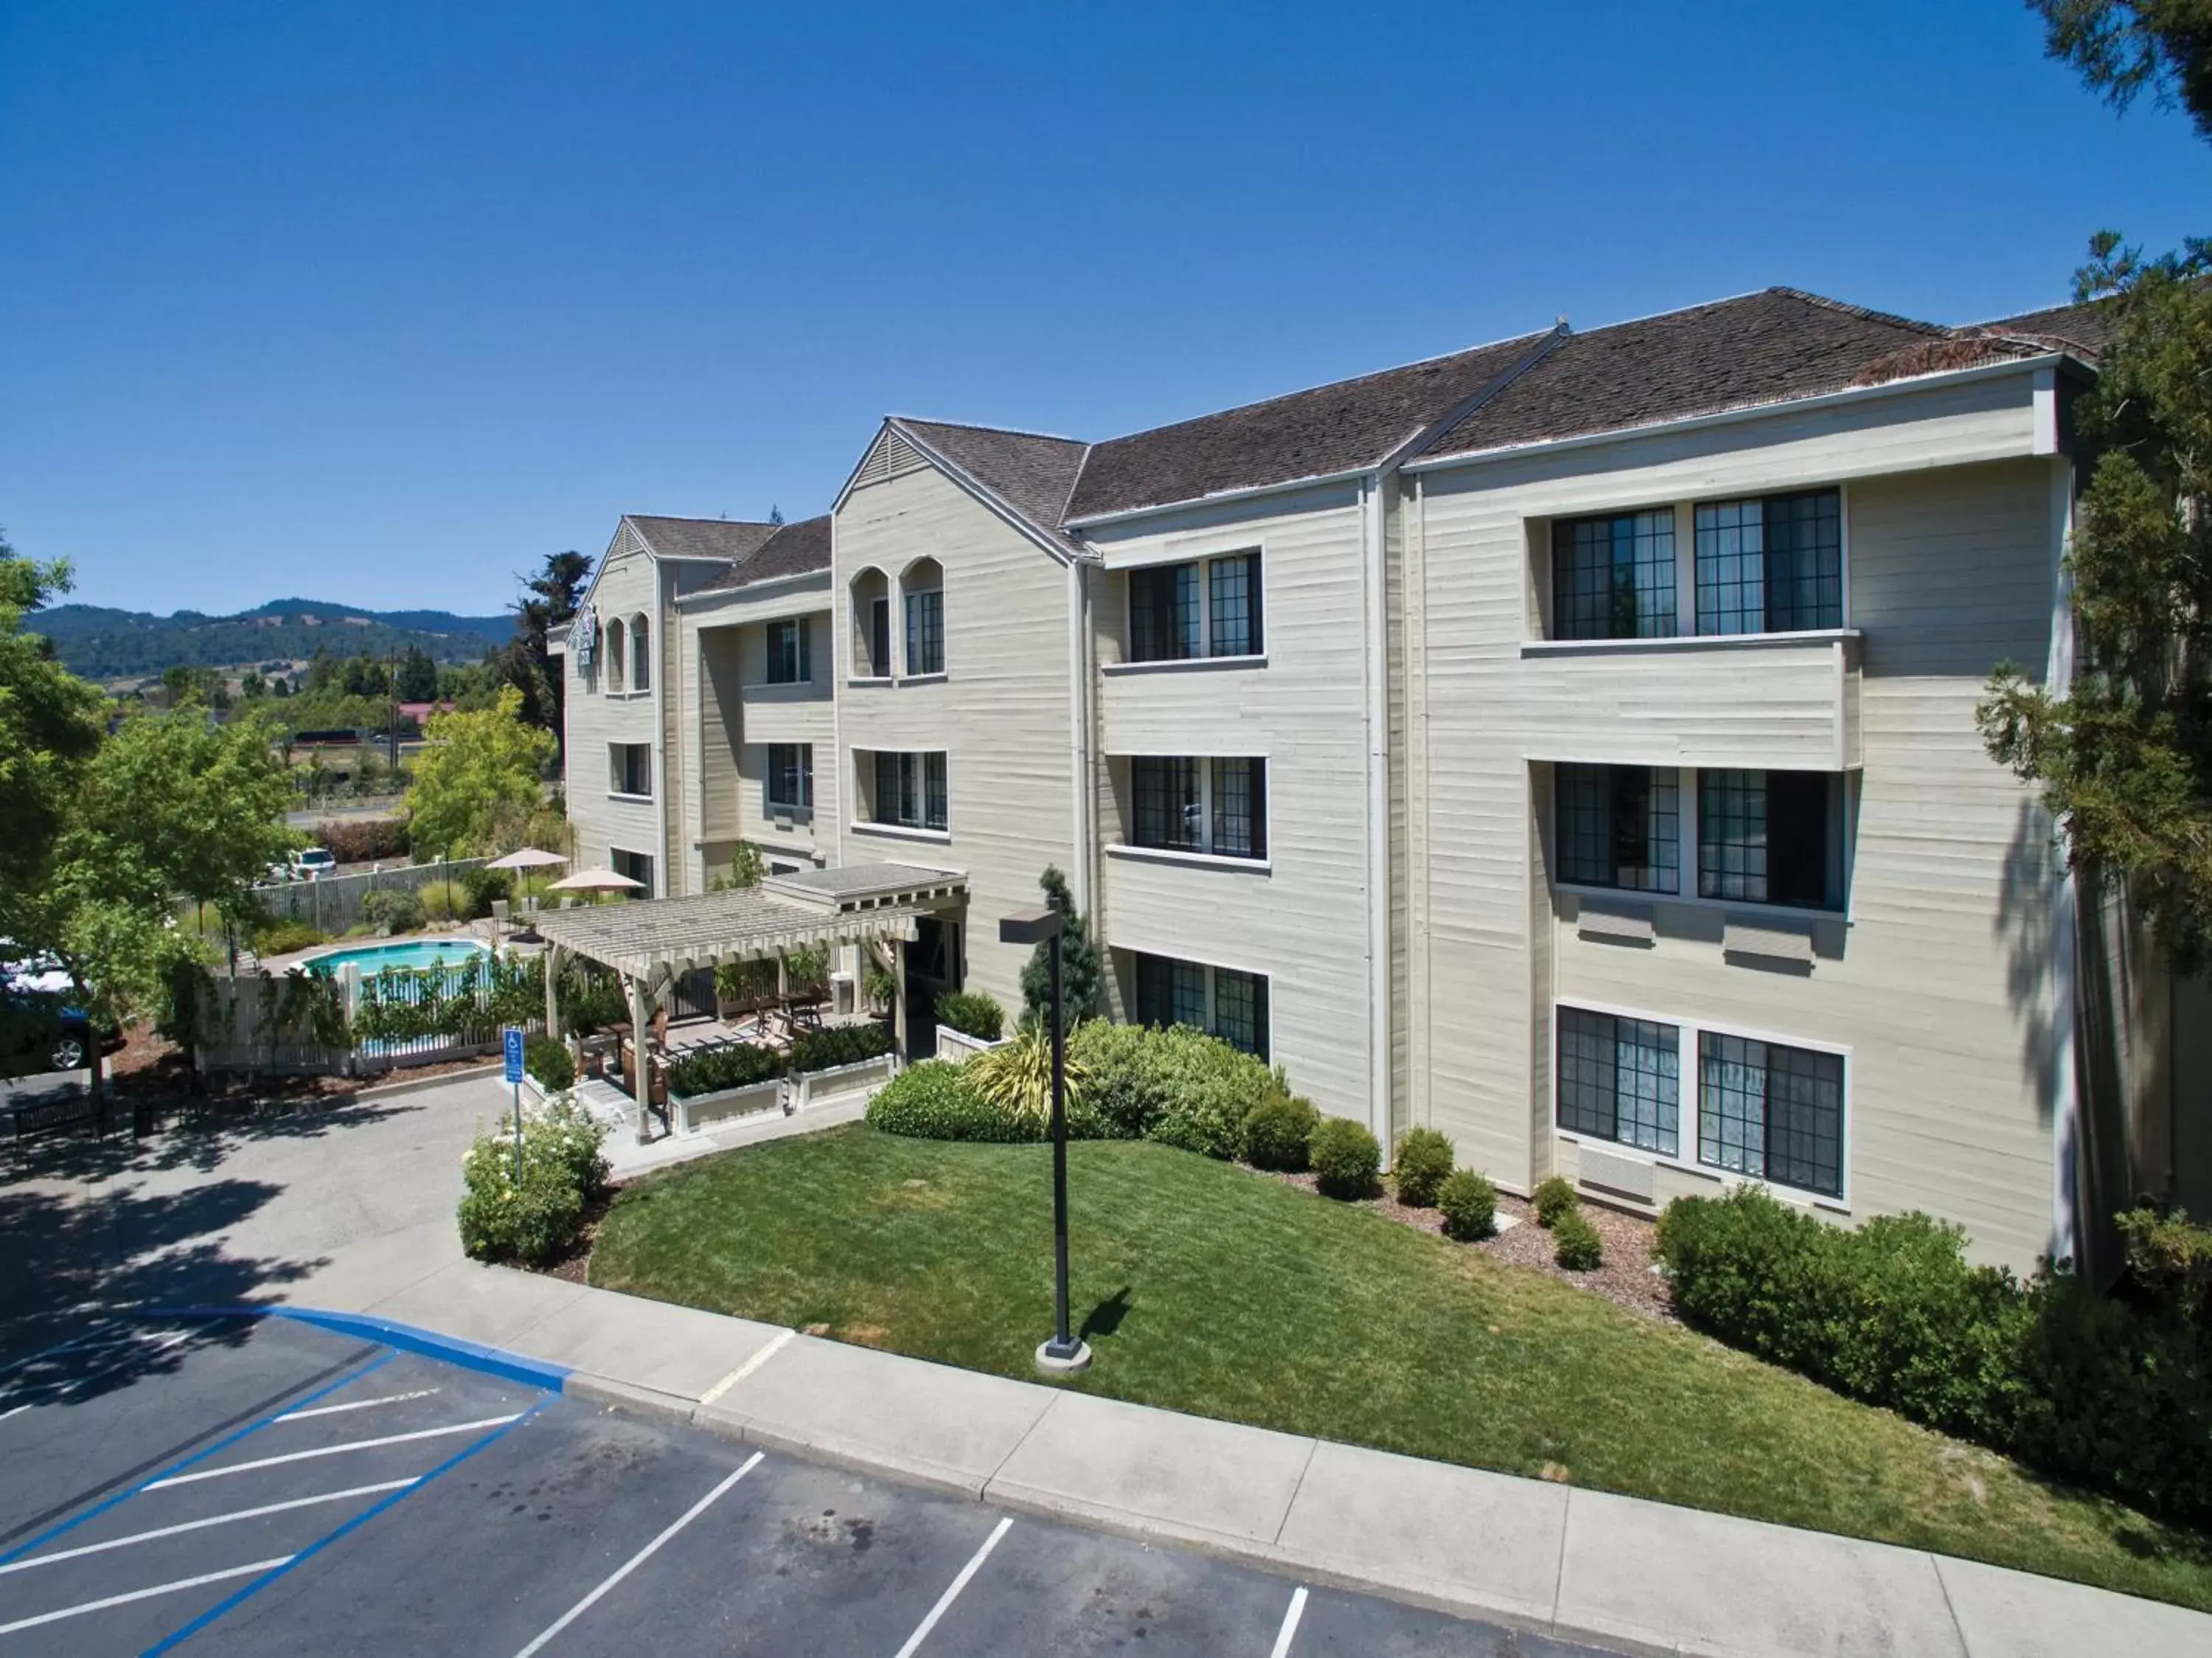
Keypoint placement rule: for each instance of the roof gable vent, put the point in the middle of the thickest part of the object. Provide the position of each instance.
(891, 456)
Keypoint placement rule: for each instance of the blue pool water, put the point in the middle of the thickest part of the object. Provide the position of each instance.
(373, 958)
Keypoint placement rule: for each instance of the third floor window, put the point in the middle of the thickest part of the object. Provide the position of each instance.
(1206, 608)
(789, 655)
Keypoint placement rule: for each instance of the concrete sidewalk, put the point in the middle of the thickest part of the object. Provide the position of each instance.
(1645, 1577)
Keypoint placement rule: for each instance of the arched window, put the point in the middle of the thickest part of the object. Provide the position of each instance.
(923, 585)
(614, 675)
(871, 625)
(641, 654)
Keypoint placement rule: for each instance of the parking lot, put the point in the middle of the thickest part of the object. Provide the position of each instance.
(267, 1486)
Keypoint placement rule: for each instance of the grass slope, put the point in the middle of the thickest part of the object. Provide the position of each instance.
(1208, 1289)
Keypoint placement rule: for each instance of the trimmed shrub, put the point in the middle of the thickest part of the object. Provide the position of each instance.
(1209, 1089)
(1347, 1157)
(1576, 1244)
(537, 1218)
(1277, 1130)
(1469, 1204)
(1424, 1160)
(548, 1063)
(397, 908)
(283, 936)
(933, 1101)
(972, 1014)
(2169, 1261)
(734, 1065)
(364, 840)
(839, 1045)
(1553, 1198)
(1126, 1092)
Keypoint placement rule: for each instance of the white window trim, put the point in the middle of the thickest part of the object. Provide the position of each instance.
(634, 799)
(861, 681)
(1688, 797)
(1203, 558)
(769, 653)
(864, 788)
(1689, 1101)
(1197, 860)
(613, 793)
(938, 678)
(1686, 571)
(1675, 643)
(899, 832)
(647, 857)
(773, 807)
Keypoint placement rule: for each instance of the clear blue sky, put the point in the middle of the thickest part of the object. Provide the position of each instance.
(380, 302)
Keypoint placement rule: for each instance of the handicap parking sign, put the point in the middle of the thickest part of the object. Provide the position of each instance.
(511, 1034)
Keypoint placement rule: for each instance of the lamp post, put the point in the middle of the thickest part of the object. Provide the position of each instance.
(1063, 1354)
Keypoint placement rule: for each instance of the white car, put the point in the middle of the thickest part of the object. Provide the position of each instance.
(313, 863)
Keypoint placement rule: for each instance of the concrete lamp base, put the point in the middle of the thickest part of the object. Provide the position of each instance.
(1053, 1362)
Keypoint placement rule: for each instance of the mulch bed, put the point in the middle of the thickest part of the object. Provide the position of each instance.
(1625, 1279)
(576, 1264)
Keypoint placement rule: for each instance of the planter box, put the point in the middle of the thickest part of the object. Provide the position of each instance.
(865, 1076)
(698, 1111)
(537, 1093)
(956, 1045)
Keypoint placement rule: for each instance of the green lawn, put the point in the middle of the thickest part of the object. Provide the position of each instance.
(1210, 1289)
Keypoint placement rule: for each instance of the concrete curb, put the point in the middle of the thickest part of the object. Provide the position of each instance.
(671, 1410)
(408, 1337)
(423, 1084)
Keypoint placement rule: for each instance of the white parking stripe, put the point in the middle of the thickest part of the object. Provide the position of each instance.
(639, 1557)
(747, 1368)
(356, 1404)
(330, 1450)
(945, 1600)
(214, 1520)
(1290, 1628)
(142, 1595)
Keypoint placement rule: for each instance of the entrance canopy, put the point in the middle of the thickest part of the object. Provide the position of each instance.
(645, 938)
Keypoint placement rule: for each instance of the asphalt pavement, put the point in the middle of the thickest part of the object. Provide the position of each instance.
(263, 1487)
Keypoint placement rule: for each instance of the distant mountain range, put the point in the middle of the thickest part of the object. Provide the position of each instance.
(102, 644)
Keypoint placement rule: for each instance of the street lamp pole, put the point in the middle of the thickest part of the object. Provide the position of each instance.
(1065, 1353)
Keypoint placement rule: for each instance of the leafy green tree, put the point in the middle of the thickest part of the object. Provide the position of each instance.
(1079, 971)
(476, 766)
(2124, 48)
(2124, 756)
(548, 598)
(252, 685)
(364, 676)
(50, 723)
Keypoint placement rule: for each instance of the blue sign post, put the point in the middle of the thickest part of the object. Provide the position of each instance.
(510, 1037)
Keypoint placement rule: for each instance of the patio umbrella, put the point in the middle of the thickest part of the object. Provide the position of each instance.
(530, 857)
(596, 880)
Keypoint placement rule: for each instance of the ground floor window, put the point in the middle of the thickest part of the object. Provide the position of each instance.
(791, 776)
(638, 866)
(1773, 1112)
(1766, 1110)
(1219, 1000)
(1619, 1079)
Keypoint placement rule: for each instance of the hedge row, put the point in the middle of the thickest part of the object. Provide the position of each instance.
(2090, 1389)
(839, 1045)
(736, 1065)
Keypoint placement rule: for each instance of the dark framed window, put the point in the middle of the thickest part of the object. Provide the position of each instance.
(1240, 808)
(1771, 1111)
(1219, 1000)
(1619, 826)
(879, 638)
(1170, 803)
(910, 789)
(1614, 577)
(789, 655)
(791, 776)
(1232, 598)
(925, 631)
(1618, 1080)
(630, 768)
(1771, 565)
(638, 866)
(1164, 614)
(1770, 838)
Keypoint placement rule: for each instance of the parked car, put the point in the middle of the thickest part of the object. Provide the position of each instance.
(313, 863)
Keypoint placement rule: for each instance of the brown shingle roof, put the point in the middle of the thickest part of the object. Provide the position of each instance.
(791, 550)
(700, 538)
(1311, 433)
(1030, 472)
(1767, 347)
(2088, 325)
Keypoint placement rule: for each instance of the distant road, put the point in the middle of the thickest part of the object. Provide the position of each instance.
(344, 812)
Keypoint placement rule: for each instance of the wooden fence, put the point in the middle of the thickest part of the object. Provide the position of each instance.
(332, 903)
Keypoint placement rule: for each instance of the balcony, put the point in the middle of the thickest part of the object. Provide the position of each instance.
(1772, 701)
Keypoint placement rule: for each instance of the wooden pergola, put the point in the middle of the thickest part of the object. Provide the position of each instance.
(650, 942)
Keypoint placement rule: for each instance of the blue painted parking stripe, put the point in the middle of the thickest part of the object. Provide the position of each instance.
(168, 1642)
(408, 1337)
(52, 1532)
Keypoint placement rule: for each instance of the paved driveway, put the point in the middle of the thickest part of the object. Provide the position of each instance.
(266, 1487)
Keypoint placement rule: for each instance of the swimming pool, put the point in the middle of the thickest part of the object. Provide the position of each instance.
(373, 958)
